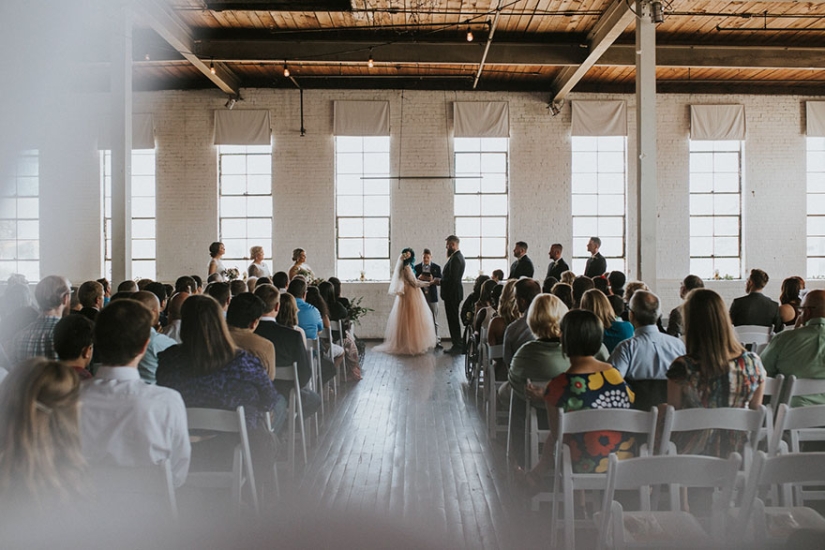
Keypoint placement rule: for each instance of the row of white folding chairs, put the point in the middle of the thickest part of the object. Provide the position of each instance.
(489, 385)
(732, 523)
(641, 423)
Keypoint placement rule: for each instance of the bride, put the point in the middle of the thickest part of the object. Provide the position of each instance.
(410, 328)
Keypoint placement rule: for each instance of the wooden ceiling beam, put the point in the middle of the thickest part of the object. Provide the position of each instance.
(178, 34)
(605, 32)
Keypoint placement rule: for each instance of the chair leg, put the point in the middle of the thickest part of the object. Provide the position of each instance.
(292, 419)
(300, 411)
(237, 478)
(569, 519)
(510, 425)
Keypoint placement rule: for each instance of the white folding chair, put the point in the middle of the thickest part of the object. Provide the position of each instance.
(326, 336)
(491, 390)
(801, 424)
(773, 389)
(295, 412)
(753, 335)
(750, 421)
(341, 336)
(649, 528)
(801, 387)
(316, 382)
(565, 481)
(533, 436)
(480, 375)
(217, 420)
(774, 524)
(133, 482)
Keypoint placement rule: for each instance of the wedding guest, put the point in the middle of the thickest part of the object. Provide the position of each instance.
(257, 268)
(211, 372)
(74, 302)
(506, 313)
(596, 264)
(716, 371)
(281, 280)
(251, 283)
(497, 276)
(567, 278)
(617, 281)
(564, 292)
(198, 283)
(631, 287)
(337, 312)
(127, 286)
(142, 283)
(41, 460)
(468, 308)
(53, 295)
(484, 307)
(557, 265)
(172, 330)
(615, 330)
(790, 300)
(242, 318)
(548, 284)
(755, 308)
(300, 267)
(148, 365)
(523, 266)
(581, 284)
(221, 292)
(313, 298)
(216, 251)
(17, 313)
(107, 290)
(73, 342)
(90, 295)
(159, 290)
(518, 332)
(287, 314)
(675, 325)
(237, 286)
(185, 283)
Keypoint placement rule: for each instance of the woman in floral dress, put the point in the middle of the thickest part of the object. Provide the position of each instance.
(587, 384)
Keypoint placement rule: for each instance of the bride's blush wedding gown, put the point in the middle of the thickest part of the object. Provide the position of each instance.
(410, 327)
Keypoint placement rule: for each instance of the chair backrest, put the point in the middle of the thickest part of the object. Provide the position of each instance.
(619, 420)
(128, 481)
(216, 420)
(803, 423)
(753, 334)
(496, 352)
(797, 387)
(773, 388)
(287, 373)
(341, 332)
(722, 418)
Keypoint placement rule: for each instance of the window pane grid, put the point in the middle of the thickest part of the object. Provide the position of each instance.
(716, 209)
(20, 219)
(144, 244)
(245, 201)
(598, 191)
(816, 208)
(362, 208)
(481, 203)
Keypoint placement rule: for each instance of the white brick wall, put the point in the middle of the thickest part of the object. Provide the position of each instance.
(421, 121)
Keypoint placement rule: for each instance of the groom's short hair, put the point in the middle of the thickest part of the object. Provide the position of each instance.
(427, 251)
(453, 239)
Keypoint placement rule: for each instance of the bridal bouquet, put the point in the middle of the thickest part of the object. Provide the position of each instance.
(231, 274)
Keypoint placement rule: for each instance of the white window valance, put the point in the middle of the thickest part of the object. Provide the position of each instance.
(362, 118)
(481, 119)
(242, 127)
(717, 122)
(599, 118)
(143, 132)
(815, 114)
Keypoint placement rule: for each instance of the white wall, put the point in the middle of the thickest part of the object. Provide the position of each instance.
(540, 163)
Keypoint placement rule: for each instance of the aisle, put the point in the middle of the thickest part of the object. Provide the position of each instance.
(409, 443)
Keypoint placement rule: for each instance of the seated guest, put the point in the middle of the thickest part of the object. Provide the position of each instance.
(159, 290)
(74, 302)
(242, 318)
(289, 347)
(587, 384)
(281, 280)
(41, 460)
(198, 283)
(127, 286)
(313, 298)
(124, 421)
(631, 287)
(73, 337)
(518, 332)
(564, 292)
(90, 296)
(107, 290)
(484, 306)
(755, 308)
(288, 314)
(53, 295)
(143, 283)
(675, 326)
(221, 292)
(210, 372)
(257, 268)
(337, 312)
(497, 276)
(615, 330)
(309, 318)
(799, 352)
(617, 281)
(643, 360)
(716, 371)
(251, 282)
(186, 284)
(506, 313)
(548, 284)
(157, 342)
(336, 285)
(172, 329)
(600, 283)
(468, 308)
(213, 278)
(237, 286)
(581, 285)
(790, 300)
(567, 277)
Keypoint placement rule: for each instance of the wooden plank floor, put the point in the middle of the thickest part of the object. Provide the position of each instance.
(408, 444)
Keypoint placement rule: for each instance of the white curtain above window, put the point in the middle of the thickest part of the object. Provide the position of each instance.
(599, 118)
(477, 119)
(816, 118)
(242, 127)
(362, 118)
(717, 122)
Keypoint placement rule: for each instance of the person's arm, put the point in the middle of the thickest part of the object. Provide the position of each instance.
(778, 325)
(770, 357)
(620, 358)
(213, 266)
(674, 394)
(756, 400)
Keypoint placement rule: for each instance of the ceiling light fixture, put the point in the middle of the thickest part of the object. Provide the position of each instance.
(469, 33)
(370, 62)
(212, 66)
(657, 12)
(286, 70)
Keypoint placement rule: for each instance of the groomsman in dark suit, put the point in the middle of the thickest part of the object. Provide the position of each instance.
(452, 292)
(596, 264)
(428, 271)
(523, 266)
(557, 265)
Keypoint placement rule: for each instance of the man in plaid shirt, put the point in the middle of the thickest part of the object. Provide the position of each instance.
(53, 295)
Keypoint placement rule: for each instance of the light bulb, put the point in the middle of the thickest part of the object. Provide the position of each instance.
(370, 63)
(286, 71)
(469, 35)
(212, 67)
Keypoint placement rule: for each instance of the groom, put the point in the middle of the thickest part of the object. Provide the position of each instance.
(452, 292)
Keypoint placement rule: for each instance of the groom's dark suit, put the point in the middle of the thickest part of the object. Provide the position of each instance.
(452, 292)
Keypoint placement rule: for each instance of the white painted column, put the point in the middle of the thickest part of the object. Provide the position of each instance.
(121, 129)
(646, 188)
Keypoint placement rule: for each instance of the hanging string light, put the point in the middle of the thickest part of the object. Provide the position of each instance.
(286, 70)
(370, 62)
(212, 66)
(469, 33)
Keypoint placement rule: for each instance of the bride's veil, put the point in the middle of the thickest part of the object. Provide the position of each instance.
(397, 283)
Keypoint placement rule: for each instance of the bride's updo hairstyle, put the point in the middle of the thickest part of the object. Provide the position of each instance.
(411, 259)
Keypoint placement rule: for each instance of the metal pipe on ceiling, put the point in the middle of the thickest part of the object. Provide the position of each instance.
(487, 46)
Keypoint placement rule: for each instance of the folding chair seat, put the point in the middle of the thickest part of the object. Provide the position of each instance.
(565, 481)
(217, 420)
(653, 528)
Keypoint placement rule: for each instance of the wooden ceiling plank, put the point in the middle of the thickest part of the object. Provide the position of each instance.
(608, 28)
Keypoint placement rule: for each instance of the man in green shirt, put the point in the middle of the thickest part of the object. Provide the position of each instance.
(801, 352)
